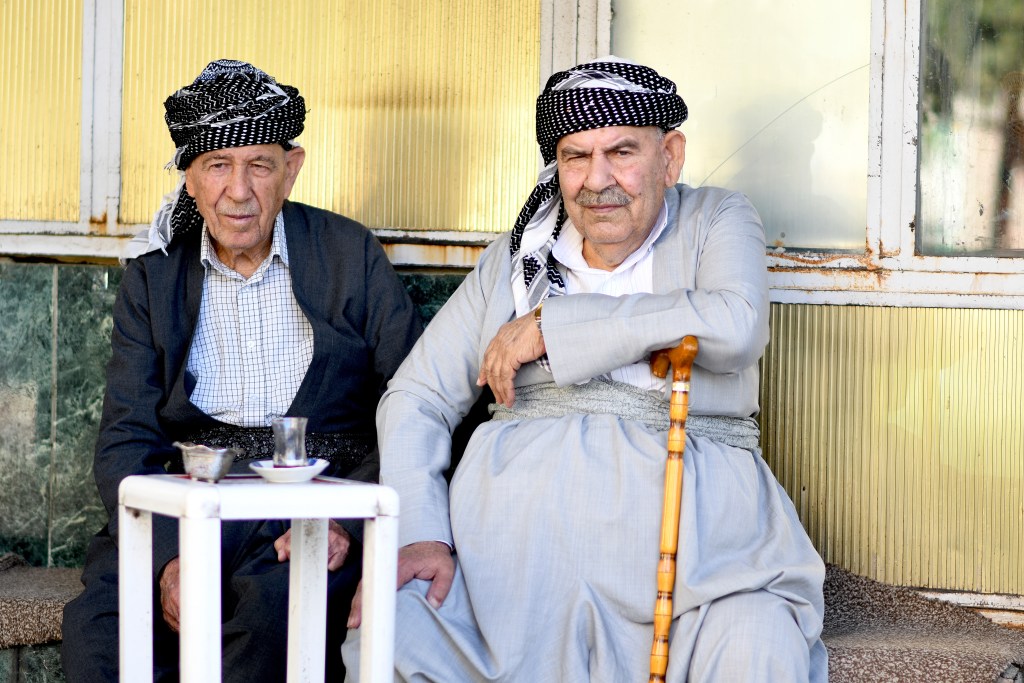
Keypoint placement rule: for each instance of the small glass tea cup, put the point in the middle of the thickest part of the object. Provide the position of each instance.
(289, 441)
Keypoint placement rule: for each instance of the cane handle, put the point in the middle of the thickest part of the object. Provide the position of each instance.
(681, 358)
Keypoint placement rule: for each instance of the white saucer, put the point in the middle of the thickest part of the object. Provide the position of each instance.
(288, 475)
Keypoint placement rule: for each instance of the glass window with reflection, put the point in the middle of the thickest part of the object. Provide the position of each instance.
(778, 98)
(972, 128)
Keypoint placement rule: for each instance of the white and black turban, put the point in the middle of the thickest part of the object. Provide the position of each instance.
(606, 92)
(230, 104)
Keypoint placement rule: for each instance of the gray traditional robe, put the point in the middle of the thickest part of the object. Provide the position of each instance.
(556, 521)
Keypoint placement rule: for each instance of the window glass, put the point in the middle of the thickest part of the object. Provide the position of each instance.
(420, 113)
(972, 128)
(778, 99)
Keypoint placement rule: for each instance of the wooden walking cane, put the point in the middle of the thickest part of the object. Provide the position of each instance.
(681, 358)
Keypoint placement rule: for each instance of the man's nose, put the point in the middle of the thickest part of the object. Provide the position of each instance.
(599, 174)
(239, 188)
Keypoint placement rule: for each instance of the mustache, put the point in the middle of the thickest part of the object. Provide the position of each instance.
(239, 210)
(611, 196)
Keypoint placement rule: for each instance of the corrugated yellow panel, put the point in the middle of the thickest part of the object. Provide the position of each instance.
(899, 434)
(420, 111)
(40, 109)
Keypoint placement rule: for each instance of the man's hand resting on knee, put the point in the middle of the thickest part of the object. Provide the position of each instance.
(428, 560)
(170, 594)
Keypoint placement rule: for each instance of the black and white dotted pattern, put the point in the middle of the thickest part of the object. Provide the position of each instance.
(574, 100)
(230, 104)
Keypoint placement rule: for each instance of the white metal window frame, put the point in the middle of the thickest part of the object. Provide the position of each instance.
(888, 272)
(100, 153)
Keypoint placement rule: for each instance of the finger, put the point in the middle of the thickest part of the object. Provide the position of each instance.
(172, 622)
(504, 393)
(283, 545)
(337, 552)
(355, 614)
(440, 586)
(169, 607)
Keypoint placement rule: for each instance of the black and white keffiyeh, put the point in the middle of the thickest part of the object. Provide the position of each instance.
(606, 92)
(230, 104)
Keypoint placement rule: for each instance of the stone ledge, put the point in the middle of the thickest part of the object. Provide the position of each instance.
(32, 602)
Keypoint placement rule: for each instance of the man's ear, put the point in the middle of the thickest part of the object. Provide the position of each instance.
(674, 149)
(188, 181)
(293, 160)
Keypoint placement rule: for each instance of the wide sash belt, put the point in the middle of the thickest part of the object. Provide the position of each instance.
(602, 396)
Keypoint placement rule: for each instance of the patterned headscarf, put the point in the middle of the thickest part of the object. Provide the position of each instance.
(606, 92)
(230, 104)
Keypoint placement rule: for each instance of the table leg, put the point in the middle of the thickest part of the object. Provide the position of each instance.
(200, 638)
(307, 601)
(380, 575)
(135, 594)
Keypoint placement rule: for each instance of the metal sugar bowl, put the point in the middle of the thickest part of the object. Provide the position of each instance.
(206, 463)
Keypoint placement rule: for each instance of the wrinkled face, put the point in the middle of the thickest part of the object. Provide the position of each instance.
(240, 190)
(613, 183)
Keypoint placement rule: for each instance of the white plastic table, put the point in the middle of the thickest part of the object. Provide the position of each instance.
(200, 508)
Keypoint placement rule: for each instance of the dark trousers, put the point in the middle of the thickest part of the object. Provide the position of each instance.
(254, 587)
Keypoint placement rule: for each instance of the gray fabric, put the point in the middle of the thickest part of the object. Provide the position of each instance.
(604, 396)
(710, 280)
(556, 525)
(556, 521)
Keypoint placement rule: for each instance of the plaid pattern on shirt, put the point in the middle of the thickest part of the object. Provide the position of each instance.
(253, 344)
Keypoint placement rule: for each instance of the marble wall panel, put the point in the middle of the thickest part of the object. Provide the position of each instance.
(26, 295)
(8, 665)
(49, 507)
(85, 298)
(429, 291)
(40, 664)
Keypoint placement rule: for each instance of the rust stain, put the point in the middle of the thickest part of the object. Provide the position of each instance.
(822, 259)
(458, 256)
(854, 279)
(99, 223)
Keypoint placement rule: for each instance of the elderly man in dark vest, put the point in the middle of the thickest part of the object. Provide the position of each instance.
(538, 563)
(237, 307)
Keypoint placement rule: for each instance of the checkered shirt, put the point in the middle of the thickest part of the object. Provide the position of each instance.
(253, 344)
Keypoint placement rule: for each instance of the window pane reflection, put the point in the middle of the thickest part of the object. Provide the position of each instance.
(778, 98)
(972, 129)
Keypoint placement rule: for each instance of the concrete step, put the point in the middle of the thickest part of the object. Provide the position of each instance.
(877, 632)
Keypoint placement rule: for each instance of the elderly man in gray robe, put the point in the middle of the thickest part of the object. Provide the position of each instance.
(539, 562)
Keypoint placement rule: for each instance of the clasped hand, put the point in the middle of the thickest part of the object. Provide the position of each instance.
(338, 544)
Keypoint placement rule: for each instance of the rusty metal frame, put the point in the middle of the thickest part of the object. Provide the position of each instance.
(888, 272)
